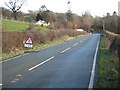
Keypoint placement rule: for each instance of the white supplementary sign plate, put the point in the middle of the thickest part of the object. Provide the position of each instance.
(28, 45)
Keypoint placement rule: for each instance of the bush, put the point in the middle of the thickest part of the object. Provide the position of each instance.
(12, 41)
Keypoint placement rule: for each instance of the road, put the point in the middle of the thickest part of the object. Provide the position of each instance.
(65, 65)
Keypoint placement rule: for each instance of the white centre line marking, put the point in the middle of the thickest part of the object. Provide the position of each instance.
(16, 79)
(93, 69)
(41, 63)
(65, 50)
(75, 44)
(13, 81)
(18, 75)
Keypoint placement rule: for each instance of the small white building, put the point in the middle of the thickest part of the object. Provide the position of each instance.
(80, 30)
(44, 23)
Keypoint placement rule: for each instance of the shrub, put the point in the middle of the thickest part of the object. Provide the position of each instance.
(12, 41)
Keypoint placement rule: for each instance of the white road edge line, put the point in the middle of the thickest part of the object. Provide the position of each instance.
(14, 57)
(93, 68)
(65, 50)
(40, 63)
(81, 41)
(76, 44)
(1, 84)
(23, 55)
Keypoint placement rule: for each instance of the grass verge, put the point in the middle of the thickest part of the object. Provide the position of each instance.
(35, 48)
(107, 67)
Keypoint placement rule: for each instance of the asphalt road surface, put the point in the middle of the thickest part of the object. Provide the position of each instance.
(65, 65)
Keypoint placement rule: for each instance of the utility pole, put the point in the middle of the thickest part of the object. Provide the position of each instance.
(69, 14)
(104, 31)
(119, 8)
(69, 5)
(103, 22)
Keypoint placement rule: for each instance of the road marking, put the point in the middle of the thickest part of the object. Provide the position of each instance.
(19, 75)
(81, 41)
(0, 59)
(13, 81)
(25, 54)
(1, 84)
(75, 44)
(16, 79)
(65, 50)
(93, 68)
(41, 63)
(15, 57)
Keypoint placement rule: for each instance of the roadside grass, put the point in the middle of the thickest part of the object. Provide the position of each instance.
(35, 48)
(107, 67)
(39, 27)
(17, 26)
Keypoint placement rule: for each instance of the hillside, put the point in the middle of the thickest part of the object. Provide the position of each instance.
(17, 26)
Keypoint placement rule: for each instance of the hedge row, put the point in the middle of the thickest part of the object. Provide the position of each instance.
(114, 42)
(14, 40)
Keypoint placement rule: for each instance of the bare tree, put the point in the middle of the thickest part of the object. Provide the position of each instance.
(87, 20)
(15, 6)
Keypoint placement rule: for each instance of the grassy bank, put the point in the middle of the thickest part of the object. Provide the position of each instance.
(18, 26)
(10, 25)
(107, 67)
(35, 48)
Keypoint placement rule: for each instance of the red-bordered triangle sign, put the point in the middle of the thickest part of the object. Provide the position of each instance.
(28, 41)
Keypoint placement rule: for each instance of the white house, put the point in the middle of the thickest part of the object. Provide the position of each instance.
(80, 30)
(44, 23)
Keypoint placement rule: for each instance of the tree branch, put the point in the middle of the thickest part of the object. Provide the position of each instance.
(19, 6)
(14, 5)
(8, 6)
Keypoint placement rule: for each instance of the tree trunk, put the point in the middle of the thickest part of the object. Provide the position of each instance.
(14, 15)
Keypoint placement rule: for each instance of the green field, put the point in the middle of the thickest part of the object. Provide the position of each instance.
(11, 25)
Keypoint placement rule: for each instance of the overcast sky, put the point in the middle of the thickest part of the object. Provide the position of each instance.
(96, 7)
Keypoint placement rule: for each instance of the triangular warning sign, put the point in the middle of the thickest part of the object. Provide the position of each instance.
(29, 41)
